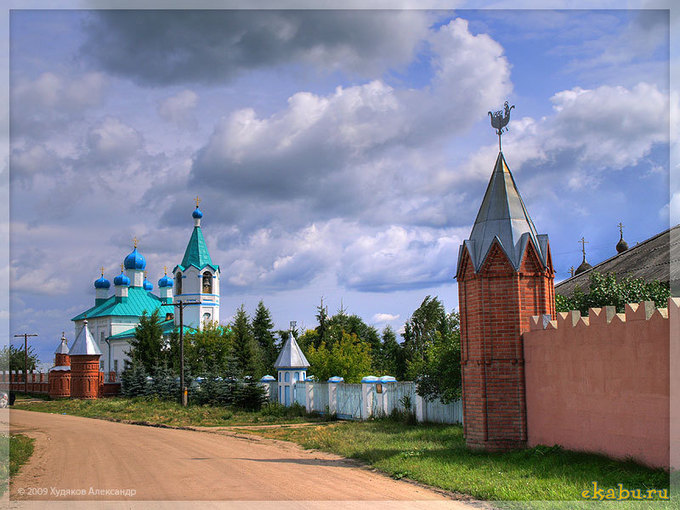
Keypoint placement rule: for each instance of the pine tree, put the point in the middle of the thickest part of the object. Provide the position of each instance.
(147, 345)
(322, 328)
(134, 381)
(391, 355)
(245, 349)
(264, 336)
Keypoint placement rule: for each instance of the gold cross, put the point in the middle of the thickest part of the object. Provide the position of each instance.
(165, 269)
(621, 228)
(102, 268)
(198, 200)
(135, 240)
(122, 268)
(583, 243)
(571, 270)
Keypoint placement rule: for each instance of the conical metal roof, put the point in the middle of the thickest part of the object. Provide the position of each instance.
(63, 346)
(84, 343)
(504, 217)
(291, 355)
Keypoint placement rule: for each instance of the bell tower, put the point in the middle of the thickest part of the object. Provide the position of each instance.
(197, 280)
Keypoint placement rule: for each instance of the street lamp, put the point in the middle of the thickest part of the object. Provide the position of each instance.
(26, 335)
(181, 304)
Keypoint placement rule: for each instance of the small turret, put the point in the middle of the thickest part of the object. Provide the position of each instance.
(584, 265)
(121, 283)
(622, 245)
(101, 286)
(165, 287)
(135, 263)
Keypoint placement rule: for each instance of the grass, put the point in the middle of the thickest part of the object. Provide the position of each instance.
(18, 448)
(436, 455)
(161, 412)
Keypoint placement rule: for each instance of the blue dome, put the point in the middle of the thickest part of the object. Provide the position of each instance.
(166, 281)
(135, 260)
(121, 279)
(147, 285)
(197, 213)
(102, 283)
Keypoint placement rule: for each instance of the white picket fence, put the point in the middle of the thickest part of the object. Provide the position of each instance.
(362, 401)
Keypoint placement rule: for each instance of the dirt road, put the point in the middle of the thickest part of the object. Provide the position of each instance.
(84, 459)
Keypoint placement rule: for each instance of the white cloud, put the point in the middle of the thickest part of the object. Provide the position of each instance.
(112, 141)
(348, 152)
(400, 258)
(179, 108)
(384, 317)
(52, 91)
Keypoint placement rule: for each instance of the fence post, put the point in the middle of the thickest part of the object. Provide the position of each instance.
(366, 400)
(332, 397)
(309, 400)
(420, 409)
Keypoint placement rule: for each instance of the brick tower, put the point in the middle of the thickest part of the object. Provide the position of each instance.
(85, 356)
(505, 275)
(60, 373)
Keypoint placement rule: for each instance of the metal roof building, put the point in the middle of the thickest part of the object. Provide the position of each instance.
(657, 258)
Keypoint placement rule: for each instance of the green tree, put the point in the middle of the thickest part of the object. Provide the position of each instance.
(245, 348)
(432, 350)
(439, 374)
(264, 336)
(322, 319)
(606, 290)
(391, 355)
(208, 350)
(349, 357)
(147, 347)
(427, 324)
(12, 358)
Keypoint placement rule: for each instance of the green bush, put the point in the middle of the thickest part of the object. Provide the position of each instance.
(606, 290)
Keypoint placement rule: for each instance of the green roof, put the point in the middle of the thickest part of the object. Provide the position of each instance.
(167, 326)
(138, 301)
(196, 253)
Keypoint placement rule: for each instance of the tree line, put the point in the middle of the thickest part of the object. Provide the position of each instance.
(341, 344)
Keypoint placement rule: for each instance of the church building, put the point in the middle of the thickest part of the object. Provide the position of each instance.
(113, 318)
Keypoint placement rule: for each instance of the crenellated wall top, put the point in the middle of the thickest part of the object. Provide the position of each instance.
(642, 311)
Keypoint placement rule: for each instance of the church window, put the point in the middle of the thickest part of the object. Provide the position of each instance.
(178, 283)
(287, 376)
(207, 283)
(206, 317)
(101, 336)
(115, 365)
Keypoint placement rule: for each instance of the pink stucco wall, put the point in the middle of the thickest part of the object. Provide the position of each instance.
(602, 383)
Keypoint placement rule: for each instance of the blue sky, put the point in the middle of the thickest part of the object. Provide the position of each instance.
(340, 155)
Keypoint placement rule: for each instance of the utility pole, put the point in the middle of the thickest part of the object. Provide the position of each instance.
(26, 335)
(183, 389)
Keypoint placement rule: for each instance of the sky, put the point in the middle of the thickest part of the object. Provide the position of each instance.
(340, 155)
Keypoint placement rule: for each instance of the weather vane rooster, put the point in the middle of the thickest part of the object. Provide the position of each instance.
(500, 119)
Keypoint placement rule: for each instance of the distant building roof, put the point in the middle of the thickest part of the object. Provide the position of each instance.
(291, 355)
(657, 258)
(84, 343)
(138, 300)
(167, 326)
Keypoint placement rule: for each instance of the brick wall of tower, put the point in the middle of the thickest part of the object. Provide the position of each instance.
(496, 305)
(85, 379)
